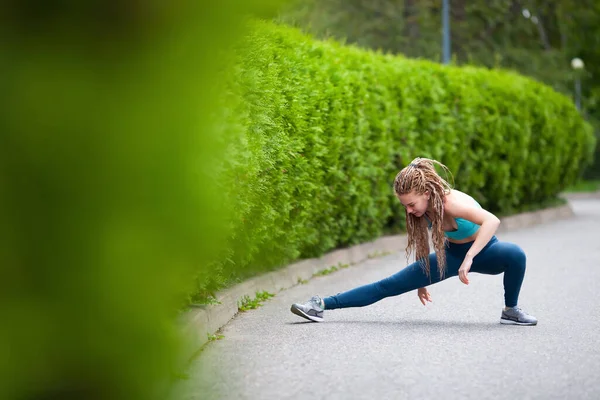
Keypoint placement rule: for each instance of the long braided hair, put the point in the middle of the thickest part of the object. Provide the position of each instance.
(419, 176)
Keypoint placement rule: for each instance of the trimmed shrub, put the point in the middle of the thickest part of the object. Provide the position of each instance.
(320, 129)
(592, 172)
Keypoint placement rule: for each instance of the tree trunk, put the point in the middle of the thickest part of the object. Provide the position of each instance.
(411, 20)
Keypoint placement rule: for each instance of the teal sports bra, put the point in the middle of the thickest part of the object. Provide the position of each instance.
(464, 228)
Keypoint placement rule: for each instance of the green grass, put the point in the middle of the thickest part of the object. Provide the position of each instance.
(209, 300)
(212, 338)
(378, 254)
(331, 269)
(584, 186)
(246, 303)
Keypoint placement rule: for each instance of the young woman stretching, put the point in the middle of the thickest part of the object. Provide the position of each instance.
(463, 235)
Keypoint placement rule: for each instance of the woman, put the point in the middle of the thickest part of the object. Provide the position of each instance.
(463, 235)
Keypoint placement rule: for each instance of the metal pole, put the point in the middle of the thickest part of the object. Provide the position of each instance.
(578, 93)
(446, 32)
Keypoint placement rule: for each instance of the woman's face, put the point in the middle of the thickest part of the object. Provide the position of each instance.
(415, 204)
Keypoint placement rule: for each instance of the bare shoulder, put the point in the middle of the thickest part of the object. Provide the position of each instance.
(461, 205)
(458, 199)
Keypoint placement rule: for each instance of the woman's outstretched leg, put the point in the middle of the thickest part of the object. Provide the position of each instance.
(410, 278)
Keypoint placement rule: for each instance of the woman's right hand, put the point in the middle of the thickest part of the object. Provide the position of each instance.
(424, 295)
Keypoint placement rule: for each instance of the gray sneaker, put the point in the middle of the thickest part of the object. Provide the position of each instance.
(310, 310)
(516, 316)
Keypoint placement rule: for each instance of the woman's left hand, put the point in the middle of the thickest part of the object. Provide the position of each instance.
(464, 270)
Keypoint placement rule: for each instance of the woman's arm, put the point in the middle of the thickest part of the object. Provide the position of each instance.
(488, 222)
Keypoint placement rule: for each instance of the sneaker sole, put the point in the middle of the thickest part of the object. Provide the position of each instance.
(302, 314)
(511, 322)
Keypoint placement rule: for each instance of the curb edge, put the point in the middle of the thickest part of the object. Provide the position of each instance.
(201, 321)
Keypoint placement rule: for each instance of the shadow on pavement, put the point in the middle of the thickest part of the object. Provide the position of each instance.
(474, 325)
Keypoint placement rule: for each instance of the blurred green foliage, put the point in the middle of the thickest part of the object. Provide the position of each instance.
(321, 129)
(107, 133)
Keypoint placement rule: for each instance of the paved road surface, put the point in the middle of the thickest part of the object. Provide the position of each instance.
(454, 348)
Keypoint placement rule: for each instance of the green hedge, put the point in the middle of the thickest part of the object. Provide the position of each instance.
(592, 172)
(321, 129)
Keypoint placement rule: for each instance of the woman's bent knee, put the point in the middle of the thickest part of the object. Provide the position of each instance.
(517, 256)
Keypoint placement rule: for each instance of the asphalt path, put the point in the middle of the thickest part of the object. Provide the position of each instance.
(453, 348)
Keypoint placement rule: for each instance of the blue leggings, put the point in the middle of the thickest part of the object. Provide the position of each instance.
(495, 258)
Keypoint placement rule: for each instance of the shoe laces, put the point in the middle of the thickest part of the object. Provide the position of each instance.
(520, 311)
(316, 300)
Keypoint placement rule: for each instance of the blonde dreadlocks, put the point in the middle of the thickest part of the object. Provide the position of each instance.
(419, 176)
